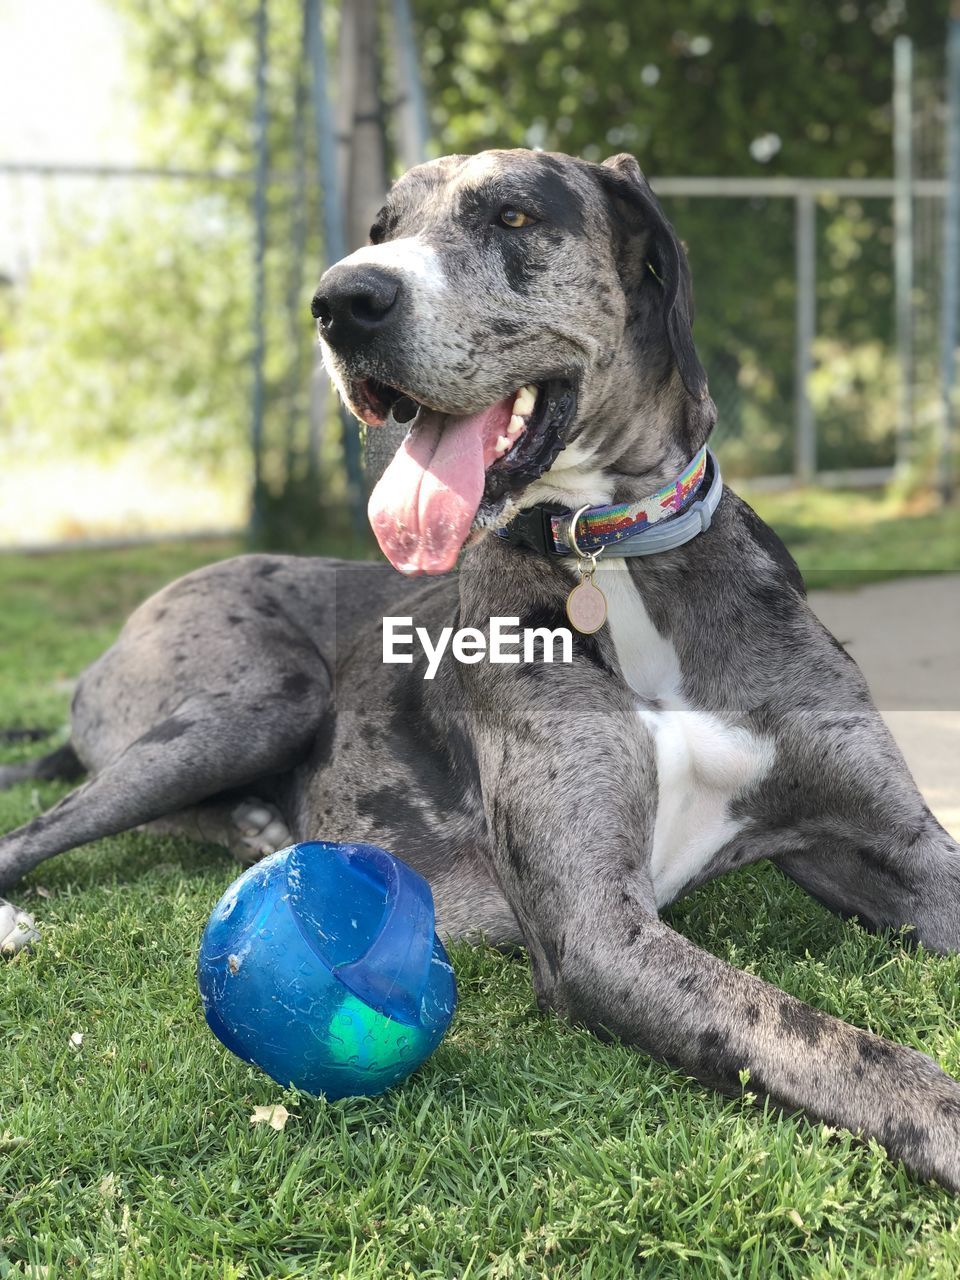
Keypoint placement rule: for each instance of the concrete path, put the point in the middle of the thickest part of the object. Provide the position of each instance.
(905, 635)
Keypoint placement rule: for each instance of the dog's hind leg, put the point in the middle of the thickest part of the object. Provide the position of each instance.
(203, 748)
(902, 879)
(17, 928)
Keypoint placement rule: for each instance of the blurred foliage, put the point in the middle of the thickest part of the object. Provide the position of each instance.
(194, 63)
(137, 335)
(138, 322)
(853, 383)
(688, 85)
(717, 88)
(135, 322)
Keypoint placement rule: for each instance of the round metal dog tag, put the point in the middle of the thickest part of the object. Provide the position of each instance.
(587, 607)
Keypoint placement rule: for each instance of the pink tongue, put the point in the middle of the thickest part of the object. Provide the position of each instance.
(424, 503)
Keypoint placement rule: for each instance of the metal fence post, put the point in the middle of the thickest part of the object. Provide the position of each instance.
(296, 316)
(950, 301)
(805, 445)
(903, 242)
(335, 239)
(259, 273)
(414, 122)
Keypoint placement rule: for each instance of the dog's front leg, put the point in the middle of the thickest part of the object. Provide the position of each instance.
(571, 816)
(651, 987)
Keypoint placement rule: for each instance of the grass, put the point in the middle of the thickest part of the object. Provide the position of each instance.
(842, 538)
(523, 1148)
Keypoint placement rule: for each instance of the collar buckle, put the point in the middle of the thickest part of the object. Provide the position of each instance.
(533, 528)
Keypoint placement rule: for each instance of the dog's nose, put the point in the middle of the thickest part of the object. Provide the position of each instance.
(354, 303)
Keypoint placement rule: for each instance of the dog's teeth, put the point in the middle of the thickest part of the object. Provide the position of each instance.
(515, 427)
(524, 400)
(503, 444)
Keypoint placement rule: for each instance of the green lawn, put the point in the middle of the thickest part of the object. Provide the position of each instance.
(524, 1148)
(842, 538)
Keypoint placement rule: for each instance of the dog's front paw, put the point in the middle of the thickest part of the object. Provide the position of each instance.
(17, 929)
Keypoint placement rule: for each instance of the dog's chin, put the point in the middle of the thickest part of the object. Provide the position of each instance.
(457, 473)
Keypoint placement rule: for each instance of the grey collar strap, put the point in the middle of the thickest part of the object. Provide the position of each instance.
(682, 528)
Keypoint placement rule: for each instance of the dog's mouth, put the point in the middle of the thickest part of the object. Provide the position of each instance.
(454, 471)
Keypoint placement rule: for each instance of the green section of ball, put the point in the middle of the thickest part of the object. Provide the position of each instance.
(363, 1039)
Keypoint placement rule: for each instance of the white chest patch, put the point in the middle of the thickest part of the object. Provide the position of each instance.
(703, 762)
(576, 477)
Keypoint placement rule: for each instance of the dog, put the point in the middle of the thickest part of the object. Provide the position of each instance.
(528, 316)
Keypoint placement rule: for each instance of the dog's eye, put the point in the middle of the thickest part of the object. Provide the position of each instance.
(511, 217)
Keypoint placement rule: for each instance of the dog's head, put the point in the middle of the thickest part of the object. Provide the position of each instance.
(529, 315)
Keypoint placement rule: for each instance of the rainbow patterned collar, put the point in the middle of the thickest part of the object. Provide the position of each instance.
(623, 528)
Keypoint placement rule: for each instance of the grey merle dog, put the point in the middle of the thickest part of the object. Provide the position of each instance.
(529, 315)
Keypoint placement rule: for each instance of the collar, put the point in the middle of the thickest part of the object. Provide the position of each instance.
(663, 520)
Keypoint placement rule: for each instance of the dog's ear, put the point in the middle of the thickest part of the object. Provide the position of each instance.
(636, 209)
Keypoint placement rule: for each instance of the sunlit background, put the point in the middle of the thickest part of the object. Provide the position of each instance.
(80, 457)
(147, 387)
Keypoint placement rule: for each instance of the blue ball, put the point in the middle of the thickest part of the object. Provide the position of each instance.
(321, 966)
